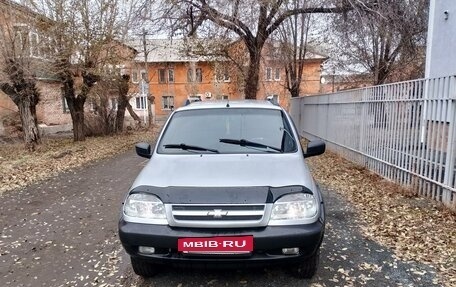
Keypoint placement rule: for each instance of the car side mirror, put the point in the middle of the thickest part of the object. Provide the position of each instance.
(315, 147)
(143, 150)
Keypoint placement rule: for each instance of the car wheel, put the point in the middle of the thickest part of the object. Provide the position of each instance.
(144, 268)
(307, 268)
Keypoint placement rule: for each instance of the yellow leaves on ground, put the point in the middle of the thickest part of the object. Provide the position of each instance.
(415, 228)
(19, 168)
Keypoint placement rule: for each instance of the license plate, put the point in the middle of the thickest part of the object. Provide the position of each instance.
(225, 244)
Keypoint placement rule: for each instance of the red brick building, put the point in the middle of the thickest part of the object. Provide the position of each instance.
(174, 76)
(26, 32)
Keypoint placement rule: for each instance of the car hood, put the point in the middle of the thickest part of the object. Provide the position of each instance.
(219, 170)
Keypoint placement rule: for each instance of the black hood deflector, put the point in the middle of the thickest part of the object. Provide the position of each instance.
(219, 195)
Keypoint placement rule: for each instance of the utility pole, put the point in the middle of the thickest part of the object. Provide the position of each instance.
(146, 53)
(150, 98)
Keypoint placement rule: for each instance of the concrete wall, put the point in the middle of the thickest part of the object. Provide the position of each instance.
(440, 55)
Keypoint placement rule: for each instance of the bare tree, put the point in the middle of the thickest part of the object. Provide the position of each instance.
(293, 38)
(82, 31)
(112, 97)
(23, 92)
(109, 100)
(18, 78)
(103, 104)
(382, 40)
(253, 21)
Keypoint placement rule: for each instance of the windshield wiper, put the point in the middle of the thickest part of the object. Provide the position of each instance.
(243, 142)
(183, 146)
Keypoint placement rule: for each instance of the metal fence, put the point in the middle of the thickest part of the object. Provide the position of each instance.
(403, 131)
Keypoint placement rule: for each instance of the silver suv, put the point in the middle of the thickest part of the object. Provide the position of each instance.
(226, 185)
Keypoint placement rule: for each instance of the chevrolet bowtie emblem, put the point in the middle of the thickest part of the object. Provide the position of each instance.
(217, 213)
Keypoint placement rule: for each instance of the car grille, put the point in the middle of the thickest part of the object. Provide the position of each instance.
(246, 215)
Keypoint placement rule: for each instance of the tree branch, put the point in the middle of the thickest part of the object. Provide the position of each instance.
(262, 24)
(273, 11)
(230, 22)
(317, 10)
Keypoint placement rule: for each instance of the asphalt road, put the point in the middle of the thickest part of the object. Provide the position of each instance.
(63, 232)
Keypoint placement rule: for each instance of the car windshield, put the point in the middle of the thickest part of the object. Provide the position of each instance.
(227, 130)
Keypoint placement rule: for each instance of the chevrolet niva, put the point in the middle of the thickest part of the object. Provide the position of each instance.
(226, 185)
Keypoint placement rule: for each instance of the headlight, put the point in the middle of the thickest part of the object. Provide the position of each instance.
(145, 206)
(296, 208)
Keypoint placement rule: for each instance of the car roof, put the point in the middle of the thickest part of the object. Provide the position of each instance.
(213, 104)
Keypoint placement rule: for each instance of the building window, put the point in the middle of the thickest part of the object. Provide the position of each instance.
(134, 77)
(141, 102)
(277, 74)
(167, 102)
(170, 76)
(223, 75)
(144, 75)
(20, 38)
(189, 75)
(226, 77)
(164, 77)
(225, 97)
(197, 77)
(268, 74)
(161, 76)
(34, 45)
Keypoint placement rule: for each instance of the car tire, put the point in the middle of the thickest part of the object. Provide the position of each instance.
(144, 268)
(307, 268)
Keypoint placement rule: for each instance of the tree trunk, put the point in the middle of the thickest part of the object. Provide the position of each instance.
(150, 101)
(25, 95)
(382, 74)
(294, 91)
(132, 113)
(27, 112)
(120, 116)
(122, 102)
(251, 81)
(77, 117)
(75, 104)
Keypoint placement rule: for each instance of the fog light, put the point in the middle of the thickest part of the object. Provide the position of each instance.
(290, 251)
(146, 250)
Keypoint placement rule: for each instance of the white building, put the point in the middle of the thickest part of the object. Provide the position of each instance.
(441, 47)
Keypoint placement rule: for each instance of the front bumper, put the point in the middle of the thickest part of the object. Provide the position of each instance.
(268, 243)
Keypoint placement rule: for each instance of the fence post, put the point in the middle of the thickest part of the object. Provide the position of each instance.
(363, 124)
(451, 142)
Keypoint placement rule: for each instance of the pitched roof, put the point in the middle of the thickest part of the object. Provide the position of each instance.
(24, 9)
(185, 50)
(167, 50)
(311, 51)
